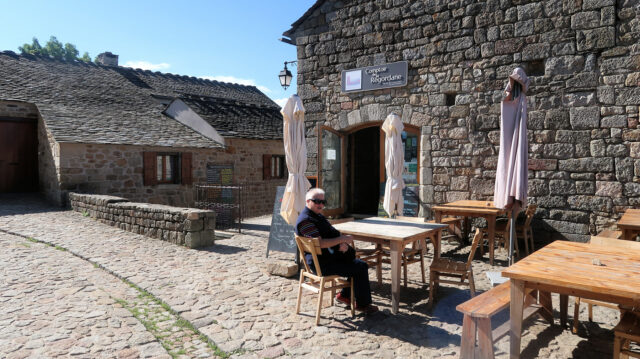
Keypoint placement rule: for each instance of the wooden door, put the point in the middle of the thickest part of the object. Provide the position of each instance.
(18, 155)
(331, 169)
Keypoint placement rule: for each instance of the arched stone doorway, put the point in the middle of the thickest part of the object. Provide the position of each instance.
(351, 168)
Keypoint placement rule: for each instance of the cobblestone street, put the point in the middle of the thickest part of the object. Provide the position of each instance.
(70, 296)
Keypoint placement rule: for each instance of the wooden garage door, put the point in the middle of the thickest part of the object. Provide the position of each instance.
(18, 155)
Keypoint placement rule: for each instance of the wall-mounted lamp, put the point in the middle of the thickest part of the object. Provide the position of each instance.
(285, 75)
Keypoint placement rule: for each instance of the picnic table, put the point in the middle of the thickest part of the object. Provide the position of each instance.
(606, 273)
(397, 234)
(630, 224)
(472, 208)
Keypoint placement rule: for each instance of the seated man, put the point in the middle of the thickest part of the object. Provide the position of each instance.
(338, 256)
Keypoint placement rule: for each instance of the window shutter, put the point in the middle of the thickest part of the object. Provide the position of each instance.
(266, 167)
(186, 168)
(149, 168)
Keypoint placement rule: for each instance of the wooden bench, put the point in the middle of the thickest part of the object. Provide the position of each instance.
(610, 233)
(477, 319)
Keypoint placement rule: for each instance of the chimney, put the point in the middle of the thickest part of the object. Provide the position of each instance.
(107, 59)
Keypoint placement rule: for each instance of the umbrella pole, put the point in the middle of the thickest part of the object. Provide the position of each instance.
(512, 233)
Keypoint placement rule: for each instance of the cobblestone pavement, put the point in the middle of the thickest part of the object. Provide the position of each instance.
(53, 304)
(225, 292)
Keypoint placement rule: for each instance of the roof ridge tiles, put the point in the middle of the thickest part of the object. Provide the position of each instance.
(49, 58)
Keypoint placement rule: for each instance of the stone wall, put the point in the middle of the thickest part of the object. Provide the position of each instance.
(117, 170)
(583, 59)
(17, 109)
(184, 226)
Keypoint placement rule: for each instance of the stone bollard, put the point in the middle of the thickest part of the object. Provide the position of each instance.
(282, 268)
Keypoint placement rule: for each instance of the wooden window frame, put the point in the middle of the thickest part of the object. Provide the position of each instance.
(182, 171)
(274, 167)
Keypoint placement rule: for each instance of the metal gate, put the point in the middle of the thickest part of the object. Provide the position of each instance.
(225, 200)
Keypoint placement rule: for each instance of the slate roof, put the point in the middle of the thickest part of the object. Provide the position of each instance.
(224, 115)
(89, 103)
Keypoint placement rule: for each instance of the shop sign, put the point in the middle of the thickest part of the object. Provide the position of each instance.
(375, 77)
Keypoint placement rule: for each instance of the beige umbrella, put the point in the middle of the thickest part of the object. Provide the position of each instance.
(295, 149)
(394, 164)
(511, 175)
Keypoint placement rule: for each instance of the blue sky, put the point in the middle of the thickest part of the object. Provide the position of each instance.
(232, 41)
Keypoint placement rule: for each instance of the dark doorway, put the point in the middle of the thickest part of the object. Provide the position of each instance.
(363, 174)
(18, 155)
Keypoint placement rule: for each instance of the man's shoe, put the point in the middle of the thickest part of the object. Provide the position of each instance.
(343, 299)
(367, 309)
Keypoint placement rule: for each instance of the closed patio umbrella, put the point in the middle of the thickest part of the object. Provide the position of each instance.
(394, 163)
(295, 149)
(511, 176)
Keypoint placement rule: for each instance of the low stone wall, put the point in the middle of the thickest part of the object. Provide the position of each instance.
(184, 226)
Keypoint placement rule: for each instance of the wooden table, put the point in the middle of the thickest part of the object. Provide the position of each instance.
(630, 224)
(567, 268)
(397, 234)
(471, 208)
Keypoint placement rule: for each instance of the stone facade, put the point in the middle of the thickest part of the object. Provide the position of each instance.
(583, 59)
(117, 170)
(184, 226)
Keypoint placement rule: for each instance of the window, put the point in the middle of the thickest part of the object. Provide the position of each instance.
(274, 166)
(166, 168)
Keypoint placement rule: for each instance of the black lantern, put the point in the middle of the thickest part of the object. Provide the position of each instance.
(285, 75)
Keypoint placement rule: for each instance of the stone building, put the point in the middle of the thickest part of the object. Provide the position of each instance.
(583, 59)
(146, 136)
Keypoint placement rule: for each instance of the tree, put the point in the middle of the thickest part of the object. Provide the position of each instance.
(55, 49)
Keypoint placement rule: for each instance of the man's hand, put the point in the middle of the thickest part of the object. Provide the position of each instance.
(349, 240)
(343, 247)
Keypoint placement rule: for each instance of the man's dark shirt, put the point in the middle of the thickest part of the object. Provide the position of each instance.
(311, 224)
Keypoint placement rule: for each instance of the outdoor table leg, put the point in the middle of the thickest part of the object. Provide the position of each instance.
(395, 252)
(437, 216)
(547, 309)
(491, 227)
(466, 224)
(516, 307)
(564, 304)
(436, 244)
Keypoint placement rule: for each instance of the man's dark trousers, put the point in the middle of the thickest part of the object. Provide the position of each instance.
(356, 268)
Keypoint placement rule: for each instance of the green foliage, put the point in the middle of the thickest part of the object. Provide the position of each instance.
(55, 49)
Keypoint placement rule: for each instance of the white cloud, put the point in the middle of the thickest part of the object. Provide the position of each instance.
(146, 65)
(235, 80)
(281, 101)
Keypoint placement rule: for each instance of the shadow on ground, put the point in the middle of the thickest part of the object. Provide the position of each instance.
(24, 203)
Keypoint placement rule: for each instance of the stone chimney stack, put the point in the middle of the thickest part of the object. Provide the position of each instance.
(107, 59)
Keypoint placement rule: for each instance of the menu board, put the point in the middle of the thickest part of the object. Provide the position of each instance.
(281, 234)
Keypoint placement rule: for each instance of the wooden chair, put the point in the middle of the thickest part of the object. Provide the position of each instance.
(443, 267)
(453, 230)
(627, 331)
(523, 230)
(317, 282)
(608, 242)
(373, 256)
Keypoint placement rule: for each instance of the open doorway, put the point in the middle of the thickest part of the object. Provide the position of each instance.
(18, 155)
(363, 171)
